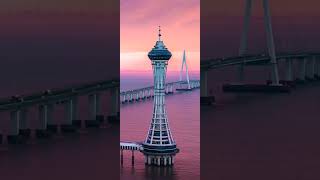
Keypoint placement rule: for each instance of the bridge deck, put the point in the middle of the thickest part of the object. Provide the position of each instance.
(133, 146)
(151, 87)
(54, 95)
(249, 60)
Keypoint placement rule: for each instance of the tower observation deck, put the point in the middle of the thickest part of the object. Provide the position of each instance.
(159, 147)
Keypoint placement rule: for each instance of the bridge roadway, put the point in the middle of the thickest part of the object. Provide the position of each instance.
(17, 106)
(308, 68)
(130, 146)
(55, 95)
(259, 59)
(142, 93)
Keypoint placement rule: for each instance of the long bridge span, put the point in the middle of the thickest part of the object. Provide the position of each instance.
(135, 95)
(308, 62)
(308, 68)
(46, 101)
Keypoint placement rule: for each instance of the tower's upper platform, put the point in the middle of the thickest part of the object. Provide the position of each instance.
(159, 51)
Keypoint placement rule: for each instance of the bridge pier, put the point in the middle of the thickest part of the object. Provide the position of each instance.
(314, 67)
(94, 106)
(70, 115)
(125, 98)
(302, 70)
(122, 98)
(94, 110)
(149, 93)
(45, 118)
(23, 125)
(49, 114)
(14, 126)
(317, 67)
(130, 96)
(137, 95)
(14, 123)
(71, 111)
(114, 116)
(289, 70)
(143, 94)
(309, 69)
(205, 99)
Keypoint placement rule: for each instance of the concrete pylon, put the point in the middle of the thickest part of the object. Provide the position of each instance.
(270, 40)
(184, 63)
(244, 37)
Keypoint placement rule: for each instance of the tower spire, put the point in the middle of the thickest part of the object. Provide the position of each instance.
(159, 33)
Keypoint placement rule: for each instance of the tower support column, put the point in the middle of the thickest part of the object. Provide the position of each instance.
(149, 160)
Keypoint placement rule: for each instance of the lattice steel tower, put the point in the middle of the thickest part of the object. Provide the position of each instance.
(159, 147)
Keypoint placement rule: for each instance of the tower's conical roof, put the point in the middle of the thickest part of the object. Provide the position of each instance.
(159, 51)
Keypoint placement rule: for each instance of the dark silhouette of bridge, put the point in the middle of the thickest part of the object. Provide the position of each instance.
(308, 63)
(46, 101)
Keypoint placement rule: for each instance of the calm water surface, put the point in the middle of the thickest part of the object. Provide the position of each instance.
(184, 118)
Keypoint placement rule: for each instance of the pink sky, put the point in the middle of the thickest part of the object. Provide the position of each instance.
(139, 21)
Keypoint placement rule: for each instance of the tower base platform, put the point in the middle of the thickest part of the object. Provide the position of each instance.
(261, 88)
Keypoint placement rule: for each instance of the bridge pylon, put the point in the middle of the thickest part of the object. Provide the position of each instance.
(184, 64)
(243, 50)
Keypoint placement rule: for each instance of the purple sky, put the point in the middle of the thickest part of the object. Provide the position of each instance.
(296, 25)
(47, 44)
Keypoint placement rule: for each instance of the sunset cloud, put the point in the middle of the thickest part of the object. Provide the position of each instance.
(139, 20)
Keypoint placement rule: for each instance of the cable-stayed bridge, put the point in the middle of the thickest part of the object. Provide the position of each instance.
(140, 94)
(18, 107)
(307, 63)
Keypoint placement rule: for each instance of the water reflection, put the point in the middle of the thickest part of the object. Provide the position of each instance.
(155, 172)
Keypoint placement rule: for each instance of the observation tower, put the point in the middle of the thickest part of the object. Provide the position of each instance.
(159, 147)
